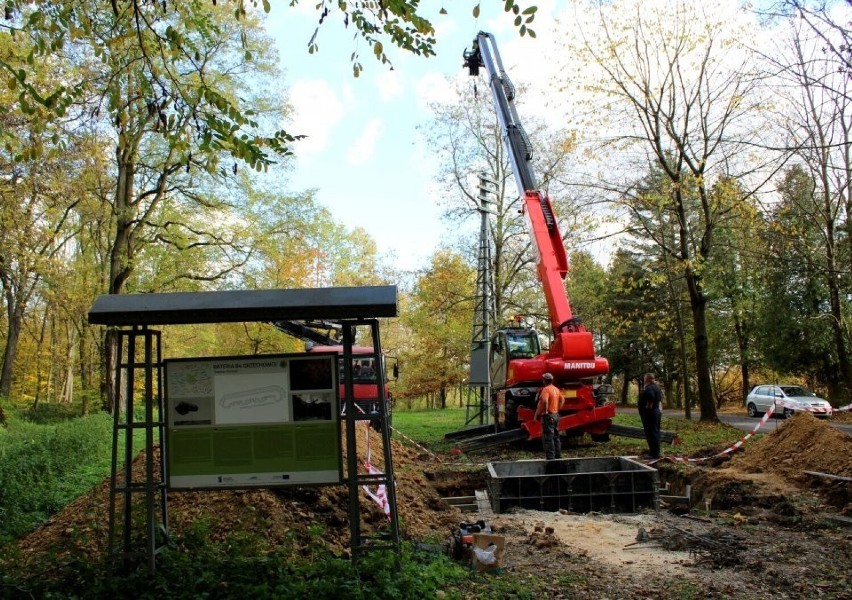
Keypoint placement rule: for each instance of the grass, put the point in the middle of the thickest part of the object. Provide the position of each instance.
(428, 426)
(43, 467)
(49, 457)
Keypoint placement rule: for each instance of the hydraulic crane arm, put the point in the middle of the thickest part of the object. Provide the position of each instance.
(315, 332)
(485, 54)
(552, 264)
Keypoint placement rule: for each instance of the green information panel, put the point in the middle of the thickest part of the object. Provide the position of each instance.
(259, 421)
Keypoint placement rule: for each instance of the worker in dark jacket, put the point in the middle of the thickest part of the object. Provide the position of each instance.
(547, 411)
(651, 413)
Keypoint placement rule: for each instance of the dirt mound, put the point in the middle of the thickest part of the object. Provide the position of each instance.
(801, 443)
(286, 516)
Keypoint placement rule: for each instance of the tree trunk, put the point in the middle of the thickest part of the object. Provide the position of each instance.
(110, 397)
(66, 394)
(681, 336)
(667, 393)
(625, 388)
(15, 319)
(742, 344)
(837, 326)
(38, 369)
(120, 261)
(698, 303)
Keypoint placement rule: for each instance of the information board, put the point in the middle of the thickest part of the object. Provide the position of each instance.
(259, 421)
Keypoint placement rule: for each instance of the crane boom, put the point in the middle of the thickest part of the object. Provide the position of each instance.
(485, 54)
(517, 362)
(571, 340)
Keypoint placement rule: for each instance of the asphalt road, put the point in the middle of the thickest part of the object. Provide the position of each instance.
(745, 423)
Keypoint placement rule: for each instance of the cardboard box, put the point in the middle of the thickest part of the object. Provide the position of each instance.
(487, 551)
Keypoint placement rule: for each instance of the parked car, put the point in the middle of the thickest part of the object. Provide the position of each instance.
(787, 400)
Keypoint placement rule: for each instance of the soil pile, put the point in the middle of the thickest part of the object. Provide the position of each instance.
(801, 443)
(298, 516)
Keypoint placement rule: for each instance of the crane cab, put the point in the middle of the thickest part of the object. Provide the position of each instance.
(511, 344)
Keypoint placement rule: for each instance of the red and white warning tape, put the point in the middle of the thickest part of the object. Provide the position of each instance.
(380, 496)
(434, 456)
(844, 408)
(817, 410)
(732, 448)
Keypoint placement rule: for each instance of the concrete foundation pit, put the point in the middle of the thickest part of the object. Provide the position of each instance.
(610, 484)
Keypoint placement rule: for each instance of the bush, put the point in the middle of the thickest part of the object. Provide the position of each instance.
(43, 467)
(201, 569)
(44, 413)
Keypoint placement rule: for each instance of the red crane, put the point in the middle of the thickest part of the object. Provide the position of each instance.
(516, 358)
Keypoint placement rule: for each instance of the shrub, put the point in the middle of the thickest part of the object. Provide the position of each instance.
(43, 467)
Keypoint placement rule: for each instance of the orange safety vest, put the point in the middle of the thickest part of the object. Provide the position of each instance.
(549, 400)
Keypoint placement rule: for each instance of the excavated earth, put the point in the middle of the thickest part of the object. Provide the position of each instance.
(758, 525)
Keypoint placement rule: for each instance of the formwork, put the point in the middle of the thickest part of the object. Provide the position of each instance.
(612, 484)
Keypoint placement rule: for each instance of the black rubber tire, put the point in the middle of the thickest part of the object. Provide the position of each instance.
(789, 412)
(752, 410)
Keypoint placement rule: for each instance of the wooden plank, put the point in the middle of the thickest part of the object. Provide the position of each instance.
(828, 476)
(455, 500)
(483, 503)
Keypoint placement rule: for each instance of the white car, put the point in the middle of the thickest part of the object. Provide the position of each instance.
(787, 400)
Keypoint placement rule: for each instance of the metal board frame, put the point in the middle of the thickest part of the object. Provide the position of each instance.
(137, 312)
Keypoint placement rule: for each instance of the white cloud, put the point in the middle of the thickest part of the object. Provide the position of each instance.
(317, 110)
(435, 87)
(388, 85)
(365, 146)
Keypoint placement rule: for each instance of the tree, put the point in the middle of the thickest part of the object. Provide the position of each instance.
(637, 324)
(169, 130)
(800, 341)
(735, 274)
(814, 81)
(440, 318)
(40, 186)
(158, 30)
(667, 83)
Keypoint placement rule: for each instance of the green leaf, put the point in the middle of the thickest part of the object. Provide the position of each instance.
(266, 6)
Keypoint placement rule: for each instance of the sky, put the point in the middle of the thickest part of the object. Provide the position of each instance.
(363, 153)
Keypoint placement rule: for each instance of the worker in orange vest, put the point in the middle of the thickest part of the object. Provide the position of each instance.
(547, 411)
